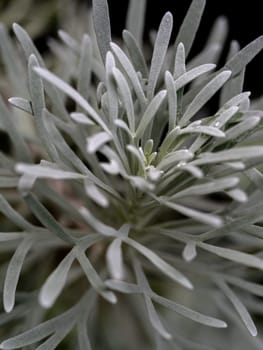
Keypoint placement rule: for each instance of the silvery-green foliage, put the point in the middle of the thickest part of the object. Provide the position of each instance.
(128, 197)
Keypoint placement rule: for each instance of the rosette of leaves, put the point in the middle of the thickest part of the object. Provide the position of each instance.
(123, 195)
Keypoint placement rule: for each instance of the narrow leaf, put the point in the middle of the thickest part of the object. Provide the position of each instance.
(50, 172)
(126, 97)
(216, 185)
(112, 97)
(81, 118)
(14, 216)
(239, 61)
(9, 236)
(55, 282)
(136, 10)
(233, 255)
(221, 119)
(160, 263)
(236, 101)
(241, 128)
(235, 154)
(192, 74)
(93, 276)
(159, 52)
(223, 116)
(179, 62)
(36, 89)
(173, 158)
(115, 259)
(210, 219)
(155, 320)
(70, 158)
(27, 43)
(99, 226)
(85, 67)
(240, 308)
(139, 156)
(203, 129)
(140, 183)
(47, 219)
(235, 85)
(83, 338)
(13, 273)
(68, 90)
(172, 100)
(193, 170)
(38, 333)
(219, 32)
(69, 41)
(168, 140)
(150, 113)
(131, 73)
(52, 342)
(135, 52)
(123, 125)
(190, 25)
(123, 287)
(152, 313)
(30, 49)
(11, 59)
(204, 95)
(189, 313)
(101, 20)
(251, 287)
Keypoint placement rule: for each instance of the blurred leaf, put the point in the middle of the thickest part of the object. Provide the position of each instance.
(101, 19)
(233, 255)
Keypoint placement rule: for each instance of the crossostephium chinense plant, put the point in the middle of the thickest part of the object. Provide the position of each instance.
(131, 211)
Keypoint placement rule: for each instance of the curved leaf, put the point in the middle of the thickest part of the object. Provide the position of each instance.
(55, 281)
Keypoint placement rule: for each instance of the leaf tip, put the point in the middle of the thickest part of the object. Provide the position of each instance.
(8, 305)
(111, 297)
(180, 47)
(32, 60)
(223, 324)
(227, 73)
(43, 300)
(168, 16)
(254, 332)
(16, 27)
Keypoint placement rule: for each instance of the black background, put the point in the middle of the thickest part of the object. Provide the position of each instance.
(245, 20)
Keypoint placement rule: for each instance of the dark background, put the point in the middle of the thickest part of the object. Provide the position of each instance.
(245, 24)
